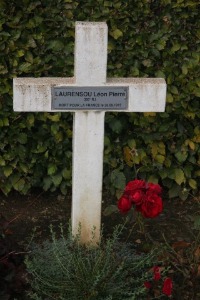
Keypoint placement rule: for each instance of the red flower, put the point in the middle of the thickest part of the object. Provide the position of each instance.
(135, 185)
(151, 206)
(144, 195)
(154, 188)
(124, 204)
(137, 196)
(147, 284)
(156, 272)
(167, 287)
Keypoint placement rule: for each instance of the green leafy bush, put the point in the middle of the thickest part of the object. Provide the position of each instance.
(146, 39)
(64, 269)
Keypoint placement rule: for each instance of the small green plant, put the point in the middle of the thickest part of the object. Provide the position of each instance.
(65, 269)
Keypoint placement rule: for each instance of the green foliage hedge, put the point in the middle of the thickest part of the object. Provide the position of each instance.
(147, 38)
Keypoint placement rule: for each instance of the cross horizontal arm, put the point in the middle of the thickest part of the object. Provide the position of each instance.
(35, 94)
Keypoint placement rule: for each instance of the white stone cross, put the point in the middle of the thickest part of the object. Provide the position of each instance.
(35, 94)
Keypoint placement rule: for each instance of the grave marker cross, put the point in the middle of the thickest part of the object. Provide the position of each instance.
(38, 94)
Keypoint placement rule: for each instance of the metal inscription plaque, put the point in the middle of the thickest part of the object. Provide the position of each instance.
(89, 98)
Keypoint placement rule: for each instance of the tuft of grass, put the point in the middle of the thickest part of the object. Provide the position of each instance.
(63, 269)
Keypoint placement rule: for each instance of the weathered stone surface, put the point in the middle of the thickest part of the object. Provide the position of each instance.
(145, 95)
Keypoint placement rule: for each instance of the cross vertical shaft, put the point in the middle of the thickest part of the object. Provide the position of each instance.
(88, 132)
